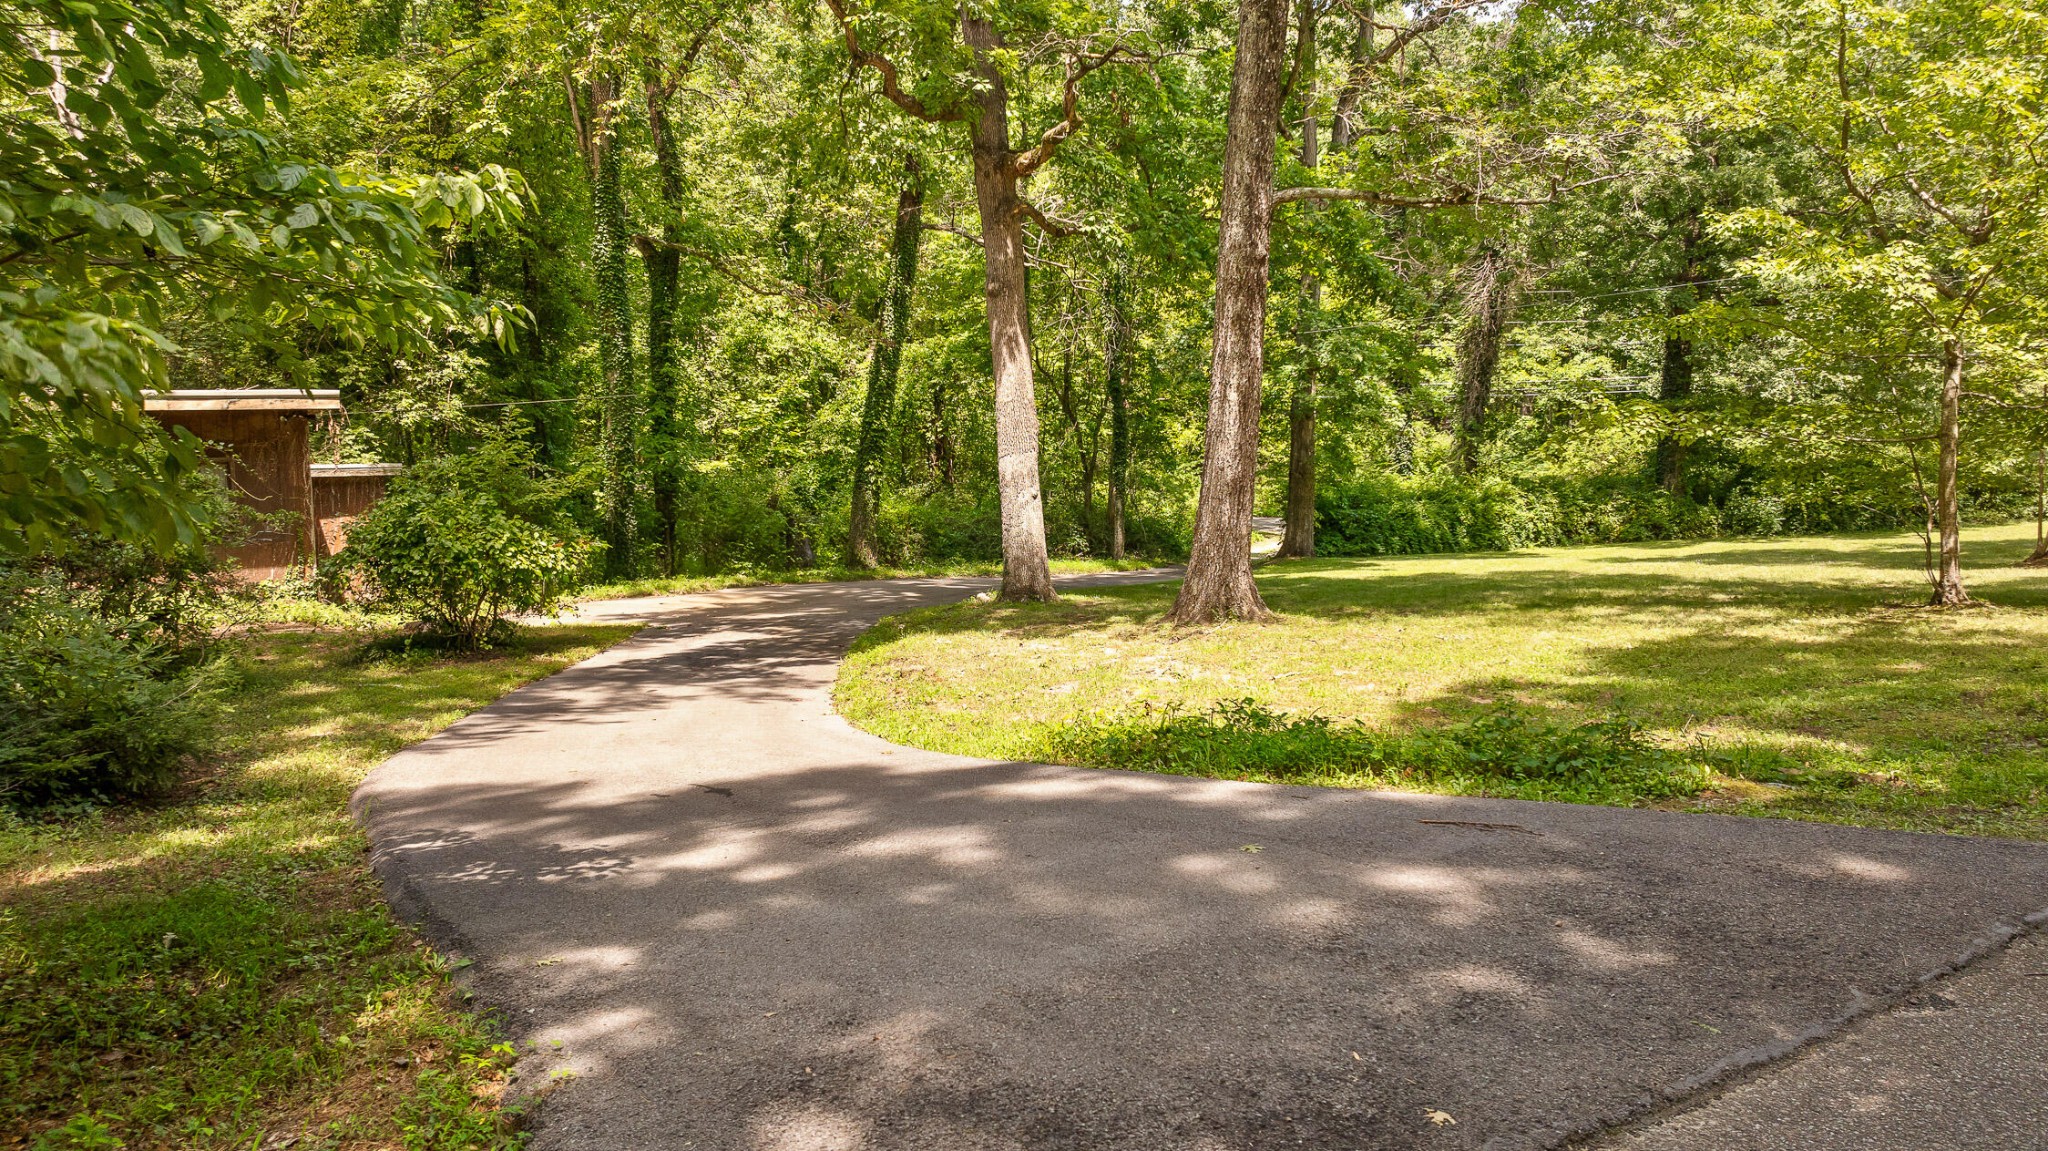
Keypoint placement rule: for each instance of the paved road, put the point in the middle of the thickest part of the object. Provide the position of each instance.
(743, 924)
(1962, 1064)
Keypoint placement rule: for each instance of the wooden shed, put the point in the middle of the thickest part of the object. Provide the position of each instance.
(341, 492)
(262, 437)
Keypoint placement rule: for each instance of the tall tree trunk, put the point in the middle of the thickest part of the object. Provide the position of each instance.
(1087, 442)
(940, 455)
(1674, 386)
(2040, 556)
(880, 405)
(1948, 577)
(1299, 541)
(1299, 538)
(1489, 303)
(1344, 119)
(1674, 381)
(1026, 573)
(1113, 351)
(664, 277)
(620, 400)
(1219, 576)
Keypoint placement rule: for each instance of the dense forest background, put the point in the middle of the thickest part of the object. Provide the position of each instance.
(1579, 270)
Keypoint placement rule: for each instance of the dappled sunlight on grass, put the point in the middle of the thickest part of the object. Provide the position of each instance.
(219, 968)
(681, 585)
(1817, 649)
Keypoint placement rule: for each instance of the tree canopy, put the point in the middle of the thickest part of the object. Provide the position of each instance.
(1553, 270)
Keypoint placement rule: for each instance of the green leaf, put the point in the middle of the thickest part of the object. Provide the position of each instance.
(142, 222)
(168, 236)
(214, 77)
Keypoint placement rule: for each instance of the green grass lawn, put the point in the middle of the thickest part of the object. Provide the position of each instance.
(219, 969)
(1802, 673)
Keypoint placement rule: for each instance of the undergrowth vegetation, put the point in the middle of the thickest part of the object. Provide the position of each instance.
(218, 969)
(1506, 752)
(1388, 515)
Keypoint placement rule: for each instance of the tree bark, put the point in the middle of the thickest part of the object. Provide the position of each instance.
(1219, 581)
(1087, 443)
(1948, 576)
(1344, 119)
(940, 455)
(620, 401)
(880, 404)
(1674, 381)
(1298, 541)
(1674, 386)
(664, 276)
(1489, 303)
(2040, 556)
(1114, 347)
(1026, 573)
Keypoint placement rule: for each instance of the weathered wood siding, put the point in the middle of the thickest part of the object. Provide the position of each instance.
(340, 494)
(268, 462)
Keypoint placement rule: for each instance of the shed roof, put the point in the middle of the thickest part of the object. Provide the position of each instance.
(349, 470)
(243, 400)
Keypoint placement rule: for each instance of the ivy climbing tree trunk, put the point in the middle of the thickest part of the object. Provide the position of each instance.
(619, 401)
(1364, 46)
(664, 277)
(1674, 387)
(1674, 379)
(1948, 575)
(893, 324)
(1114, 348)
(1299, 537)
(1489, 304)
(1219, 581)
(1026, 573)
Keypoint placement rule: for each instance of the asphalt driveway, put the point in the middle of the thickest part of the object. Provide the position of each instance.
(720, 917)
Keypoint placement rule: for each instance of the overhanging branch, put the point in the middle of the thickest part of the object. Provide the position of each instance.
(892, 82)
(1054, 228)
(1026, 162)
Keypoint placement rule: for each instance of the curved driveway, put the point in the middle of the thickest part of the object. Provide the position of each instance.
(740, 923)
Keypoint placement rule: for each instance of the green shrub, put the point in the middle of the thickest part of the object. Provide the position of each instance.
(1513, 752)
(1402, 515)
(923, 525)
(86, 711)
(109, 654)
(1420, 515)
(461, 541)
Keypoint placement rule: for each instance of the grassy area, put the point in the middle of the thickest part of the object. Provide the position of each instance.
(1802, 673)
(677, 585)
(219, 969)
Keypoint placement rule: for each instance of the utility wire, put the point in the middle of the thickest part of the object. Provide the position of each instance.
(523, 403)
(1639, 291)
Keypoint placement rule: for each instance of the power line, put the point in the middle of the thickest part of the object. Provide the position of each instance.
(524, 403)
(1639, 291)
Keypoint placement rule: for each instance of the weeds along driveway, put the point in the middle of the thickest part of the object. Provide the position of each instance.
(717, 916)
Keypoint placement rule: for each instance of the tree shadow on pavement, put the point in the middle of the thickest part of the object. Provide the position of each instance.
(748, 925)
